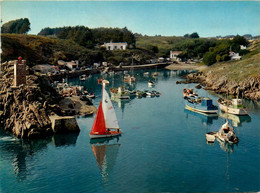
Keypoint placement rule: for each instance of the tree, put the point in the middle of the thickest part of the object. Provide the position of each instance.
(209, 58)
(19, 26)
(194, 35)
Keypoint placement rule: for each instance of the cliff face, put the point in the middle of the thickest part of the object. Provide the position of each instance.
(25, 109)
(248, 88)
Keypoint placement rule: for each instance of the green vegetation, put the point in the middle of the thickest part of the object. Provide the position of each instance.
(220, 52)
(19, 26)
(160, 45)
(90, 37)
(40, 50)
(193, 35)
(239, 70)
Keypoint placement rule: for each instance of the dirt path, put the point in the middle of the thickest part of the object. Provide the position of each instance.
(183, 66)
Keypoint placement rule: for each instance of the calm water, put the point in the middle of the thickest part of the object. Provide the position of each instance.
(162, 149)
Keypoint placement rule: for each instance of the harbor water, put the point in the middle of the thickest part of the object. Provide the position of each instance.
(163, 147)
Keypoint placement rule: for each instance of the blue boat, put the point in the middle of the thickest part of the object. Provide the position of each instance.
(201, 105)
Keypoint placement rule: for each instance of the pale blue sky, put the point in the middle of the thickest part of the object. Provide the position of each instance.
(210, 18)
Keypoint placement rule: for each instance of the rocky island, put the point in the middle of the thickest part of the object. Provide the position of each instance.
(29, 105)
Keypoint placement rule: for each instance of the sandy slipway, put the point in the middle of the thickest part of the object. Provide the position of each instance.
(25, 110)
(248, 88)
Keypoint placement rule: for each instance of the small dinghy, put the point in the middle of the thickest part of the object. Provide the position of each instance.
(226, 134)
(188, 93)
(210, 136)
(151, 83)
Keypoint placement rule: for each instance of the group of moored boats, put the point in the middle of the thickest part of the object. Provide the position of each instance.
(204, 105)
(122, 93)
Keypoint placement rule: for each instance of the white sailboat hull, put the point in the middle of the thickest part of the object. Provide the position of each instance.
(104, 136)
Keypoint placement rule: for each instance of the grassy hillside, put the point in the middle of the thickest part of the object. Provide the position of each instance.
(164, 43)
(39, 50)
(240, 70)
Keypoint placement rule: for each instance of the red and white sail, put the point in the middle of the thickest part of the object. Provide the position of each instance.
(106, 119)
(109, 111)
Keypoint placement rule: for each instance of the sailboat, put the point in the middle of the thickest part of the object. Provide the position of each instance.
(105, 124)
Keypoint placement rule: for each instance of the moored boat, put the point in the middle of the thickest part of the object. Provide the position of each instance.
(187, 93)
(83, 77)
(120, 93)
(201, 105)
(151, 83)
(226, 133)
(105, 124)
(233, 107)
(128, 78)
(210, 136)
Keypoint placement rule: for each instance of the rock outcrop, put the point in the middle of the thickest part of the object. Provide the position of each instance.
(25, 109)
(248, 88)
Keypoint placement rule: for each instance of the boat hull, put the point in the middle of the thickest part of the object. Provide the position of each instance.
(201, 110)
(112, 134)
(234, 111)
(224, 139)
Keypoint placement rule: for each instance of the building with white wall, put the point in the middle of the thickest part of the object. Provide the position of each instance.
(174, 55)
(116, 45)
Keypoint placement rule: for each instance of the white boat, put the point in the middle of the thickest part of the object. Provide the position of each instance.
(210, 136)
(128, 78)
(151, 83)
(233, 107)
(146, 74)
(120, 93)
(226, 133)
(105, 124)
(83, 77)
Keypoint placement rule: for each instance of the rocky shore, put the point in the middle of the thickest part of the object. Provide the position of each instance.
(25, 110)
(248, 88)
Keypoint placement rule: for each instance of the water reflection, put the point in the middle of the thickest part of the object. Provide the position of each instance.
(205, 118)
(21, 149)
(228, 148)
(236, 120)
(105, 151)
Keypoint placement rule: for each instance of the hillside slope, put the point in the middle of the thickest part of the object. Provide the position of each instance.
(241, 78)
(39, 50)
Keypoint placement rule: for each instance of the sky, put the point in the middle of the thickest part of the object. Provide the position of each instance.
(166, 18)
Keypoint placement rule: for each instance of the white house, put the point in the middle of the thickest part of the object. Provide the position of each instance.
(174, 55)
(116, 45)
(242, 47)
(234, 56)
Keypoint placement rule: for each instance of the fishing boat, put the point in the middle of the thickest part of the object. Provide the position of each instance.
(226, 133)
(105, 124)
(201, 105)
(151, 83)
(233, 107)
(128, 78)
(146, 74)
(83, 77)
(188, 93)
(120, 93)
